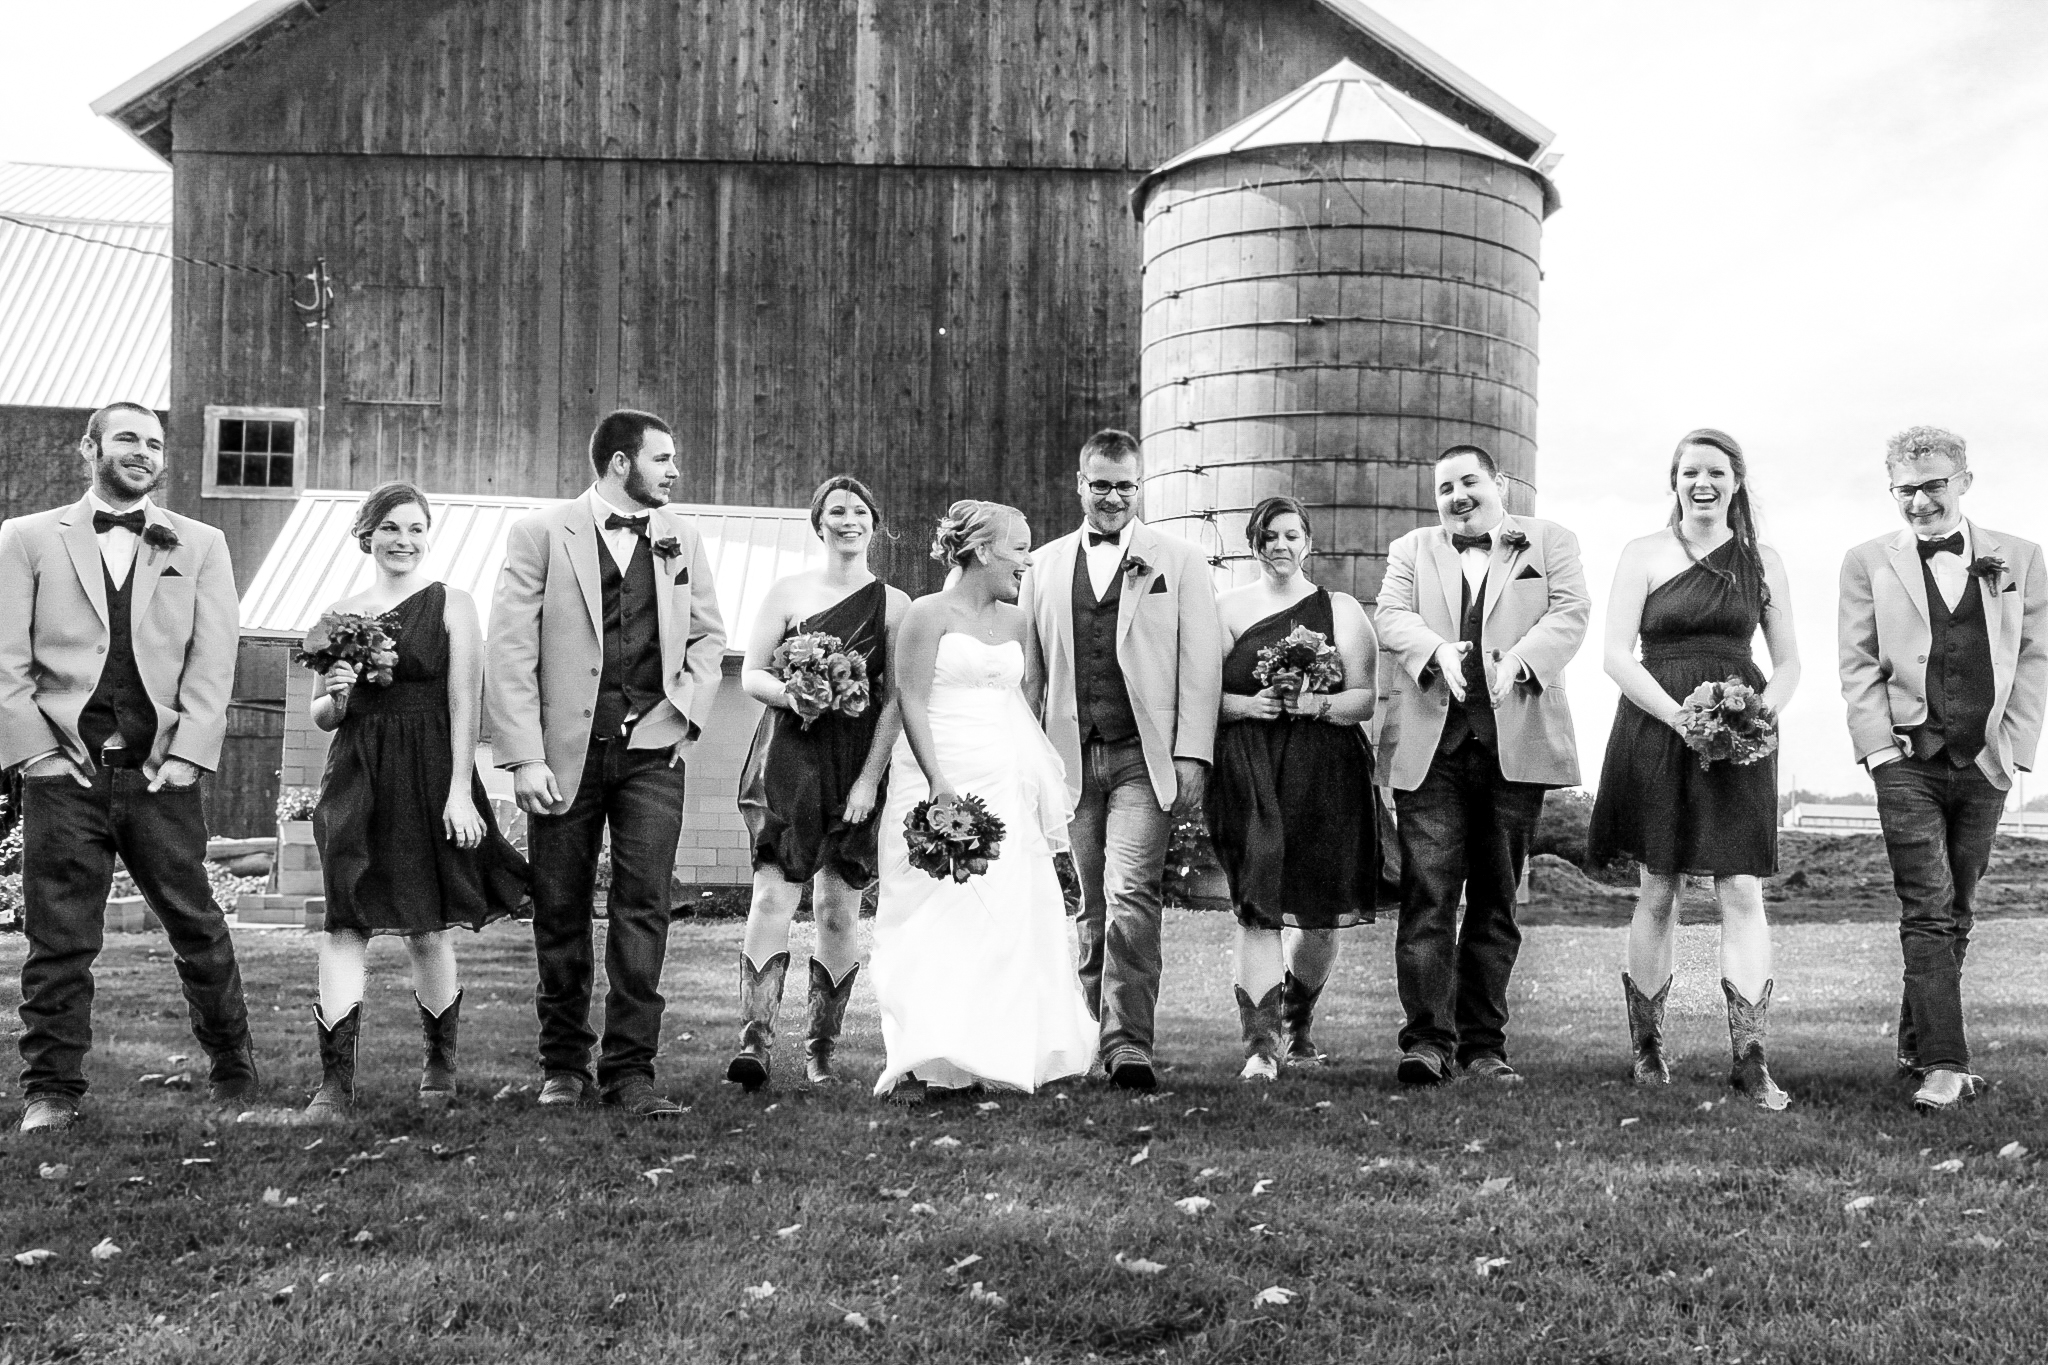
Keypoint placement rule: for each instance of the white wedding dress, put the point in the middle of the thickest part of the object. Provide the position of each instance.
(976, 979)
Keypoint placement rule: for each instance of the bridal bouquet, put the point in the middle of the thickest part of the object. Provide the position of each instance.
(820, 675)
(1305, 661)
(1727, 720)
(953, 837)
(351, 637)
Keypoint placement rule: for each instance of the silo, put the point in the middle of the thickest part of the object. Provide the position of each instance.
(1335, 289)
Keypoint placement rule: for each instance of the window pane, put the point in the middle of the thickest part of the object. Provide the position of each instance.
(227, 470)
(280, 471)
(255, 437)
(230, 436)
(281, 434)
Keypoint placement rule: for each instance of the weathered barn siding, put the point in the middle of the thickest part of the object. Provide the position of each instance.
(39, 463)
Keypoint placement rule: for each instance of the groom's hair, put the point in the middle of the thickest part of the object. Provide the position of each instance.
(1110, 444)
(97, 424)
(1480, 453)
(1917, 443)
(621, 431)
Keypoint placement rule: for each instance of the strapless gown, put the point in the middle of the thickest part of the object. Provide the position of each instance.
(976, 979)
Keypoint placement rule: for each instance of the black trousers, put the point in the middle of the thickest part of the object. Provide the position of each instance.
(640, 796)
(70, 837)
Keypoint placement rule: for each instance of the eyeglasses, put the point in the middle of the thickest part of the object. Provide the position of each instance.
(1906, 492)
(1102, 488)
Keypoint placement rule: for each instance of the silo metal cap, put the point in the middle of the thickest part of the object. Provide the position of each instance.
(1345, 104)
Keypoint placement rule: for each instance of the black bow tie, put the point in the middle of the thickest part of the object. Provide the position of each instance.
(1096, 538)
(1952, 543)
(637, 525)
(1482, 541)
(107, 521)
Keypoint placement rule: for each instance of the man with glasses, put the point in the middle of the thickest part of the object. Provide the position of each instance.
(1944, 660)
(1125, 666)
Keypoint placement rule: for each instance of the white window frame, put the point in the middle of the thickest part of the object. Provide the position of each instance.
(210, 487)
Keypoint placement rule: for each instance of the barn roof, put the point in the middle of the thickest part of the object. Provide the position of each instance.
(315, 562)
(142, 105)
(1345, 104)
(85, 289)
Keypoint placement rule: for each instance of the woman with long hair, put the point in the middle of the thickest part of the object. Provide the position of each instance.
(808, 793)
(408, 843)
(1290, 804)
(1695, 594)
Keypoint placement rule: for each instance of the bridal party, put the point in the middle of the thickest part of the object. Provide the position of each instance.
(1072, 691)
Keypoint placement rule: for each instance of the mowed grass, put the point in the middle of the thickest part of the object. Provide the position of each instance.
(1576, 1218)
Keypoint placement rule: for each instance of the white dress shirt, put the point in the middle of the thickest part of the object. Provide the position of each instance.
(1951, 572)
(117, 543)
(1105, 559)
(620, 541)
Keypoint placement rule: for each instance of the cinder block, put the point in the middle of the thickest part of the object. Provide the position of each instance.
(696, 857)
(124, 915)
(316, 913)
(298, 858)
(268, 909)
(300, 883)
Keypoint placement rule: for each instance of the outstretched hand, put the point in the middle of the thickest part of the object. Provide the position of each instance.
(1450, 661)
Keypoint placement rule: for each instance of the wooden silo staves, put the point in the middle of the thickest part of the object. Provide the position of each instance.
(1336, 289)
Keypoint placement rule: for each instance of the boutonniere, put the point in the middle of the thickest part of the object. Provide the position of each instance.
(668, 547)
(1990, 568)
(158, 536)
(1514, 540)
(1134, 566)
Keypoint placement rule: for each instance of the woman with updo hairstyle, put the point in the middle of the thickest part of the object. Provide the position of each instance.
(975, 977)
(1695, 594)
(408, 844)
(808, 794)
(1290, 804)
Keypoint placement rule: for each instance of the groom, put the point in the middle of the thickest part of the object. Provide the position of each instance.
(1125, 665)
(1944, 660)
(605, 645)
(1477, 619)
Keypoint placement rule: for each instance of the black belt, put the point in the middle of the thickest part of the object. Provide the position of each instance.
(121, 756)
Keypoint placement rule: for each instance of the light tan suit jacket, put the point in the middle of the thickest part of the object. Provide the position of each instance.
(1884, 636)
(1169, 645)
(1536, 605)
(546, 645)
(184, 626)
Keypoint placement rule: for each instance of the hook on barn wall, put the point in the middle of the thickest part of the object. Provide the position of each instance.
(318, 315)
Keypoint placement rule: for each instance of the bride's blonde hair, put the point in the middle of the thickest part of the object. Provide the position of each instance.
(969, 527)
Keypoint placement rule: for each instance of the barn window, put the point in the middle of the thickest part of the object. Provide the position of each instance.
(255, 452)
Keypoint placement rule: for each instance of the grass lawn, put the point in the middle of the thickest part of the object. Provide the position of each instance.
(1574, 1219)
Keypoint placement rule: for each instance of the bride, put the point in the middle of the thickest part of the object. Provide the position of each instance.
(976, 979)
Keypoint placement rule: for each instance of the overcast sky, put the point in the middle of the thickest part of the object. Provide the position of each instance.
(1809, 224)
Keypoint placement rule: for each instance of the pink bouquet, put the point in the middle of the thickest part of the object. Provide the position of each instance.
(352, 637)
(1727, 721)
(1305, 661)
(955, 837)
(820, 675)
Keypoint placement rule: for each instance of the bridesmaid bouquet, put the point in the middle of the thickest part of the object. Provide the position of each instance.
(821, 675)
(351, 637)
(1305, 661)
(1727, 721)
(953, 837)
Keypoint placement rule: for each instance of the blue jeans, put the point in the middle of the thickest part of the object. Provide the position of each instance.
(1120, 837)
(1938, 825)
(70, 836)
(1465, 829)
(640, 796)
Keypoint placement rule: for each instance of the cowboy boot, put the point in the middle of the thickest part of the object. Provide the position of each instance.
(1646, 1031)
(1297, 1012)
(828, 1014)
(1261, 1035)
(760, 998)
(1746, 1038)
(437, 1073)
(331, 1102)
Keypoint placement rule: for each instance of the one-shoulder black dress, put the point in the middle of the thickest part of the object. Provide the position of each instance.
(1290, 804)
(794, 785)
(384, 851)
(1656, 804)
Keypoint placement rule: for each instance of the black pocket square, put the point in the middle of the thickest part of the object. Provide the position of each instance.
(1158, 585)
(1528, 571)
(683, 574)
(2010, 587)
(171, 571)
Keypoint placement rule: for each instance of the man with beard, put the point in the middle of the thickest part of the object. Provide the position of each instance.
(118, 632)
(1477, 619)
(605, 645)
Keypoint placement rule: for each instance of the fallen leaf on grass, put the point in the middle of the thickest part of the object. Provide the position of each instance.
(2012, 1151)
(962, 1264)
(1485, 1266)
(617, 1299)
(177, 1058)
(1476, 1145)
(1274, 1296)
(1949, 1167)
(1496, 1184)
(1141, 1156)
(948, 1141)
(181, 1081)
(1198, 1109)
(888, 1193)
(653, 1177)
(311, 1145)
(1706, 1106)
(758, 1292)
(923, 1210)
(1982, 1241)
(148, 1077)
(364, 1238)
(1859, 1203)
(1320, 1104)
(1627, 1122)
(1208, 1173)
(1138, 1265)
(985, 1296)
(857, 1321)
(1262, 1230)
(1194, 1206)
(792, 1230)
(284, 1295)
(33, 1258)
(987, 1107)
(1259, 1187)
(326, 1278)
(53, 1170)
(105, 1250)
(196, 1161)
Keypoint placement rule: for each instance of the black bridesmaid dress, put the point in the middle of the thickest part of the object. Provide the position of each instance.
(1290, 803)
(794, 785)
(384, 851)
(1656, 804)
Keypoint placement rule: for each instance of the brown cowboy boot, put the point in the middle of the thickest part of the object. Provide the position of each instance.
(437, 1072)
(1297, 1012)
(1646, 1031)
(1261, 1023)
(1746, 1038)
(760, 998)
(331, 1102)
(828, 1015)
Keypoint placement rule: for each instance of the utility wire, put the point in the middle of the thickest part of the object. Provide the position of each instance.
(146, 251)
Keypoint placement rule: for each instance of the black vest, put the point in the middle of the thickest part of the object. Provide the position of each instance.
(1102, 702)
(630, 684)
(1473, 716)
(1959, 679)
(120, 704)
